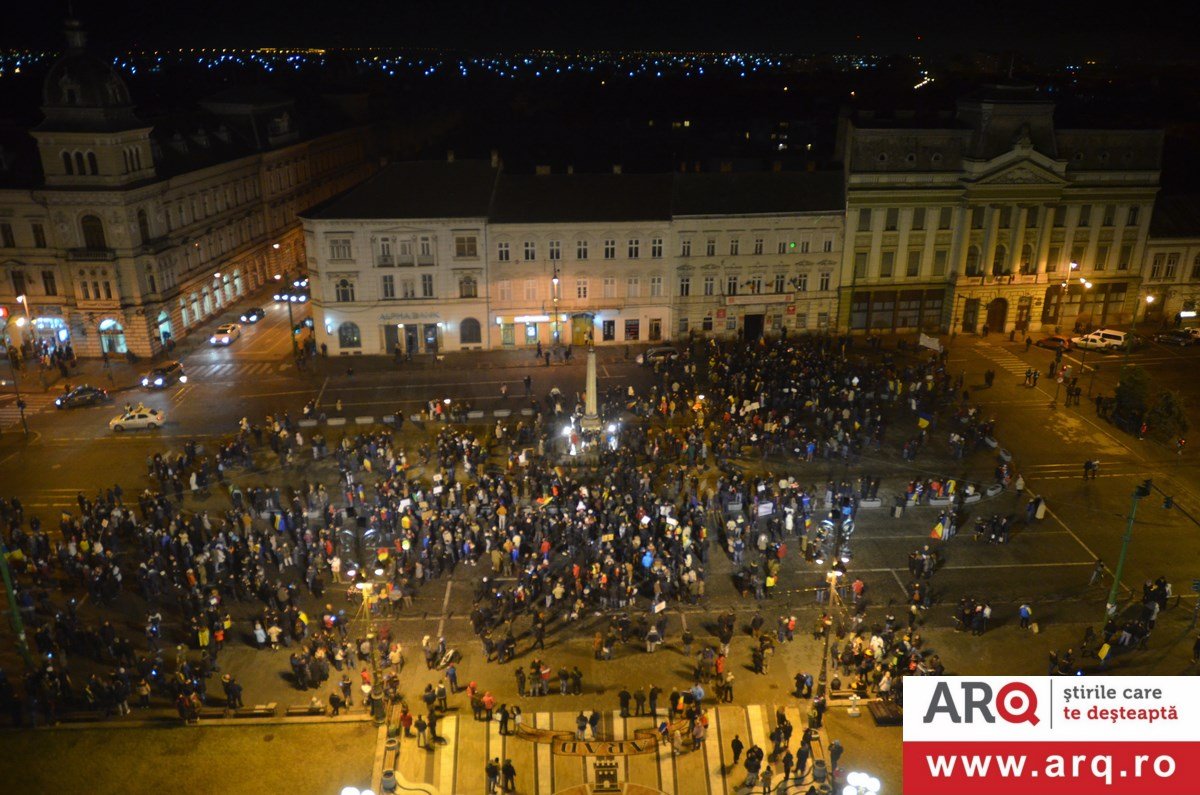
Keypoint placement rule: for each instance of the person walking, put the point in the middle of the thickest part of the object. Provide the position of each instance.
(492, 771)
(509, 775)
(1026, 614)
(421, 726)
(1097, 572)
(736, 747)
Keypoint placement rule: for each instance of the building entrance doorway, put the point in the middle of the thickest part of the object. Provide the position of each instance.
(752, 327)
(997, 315)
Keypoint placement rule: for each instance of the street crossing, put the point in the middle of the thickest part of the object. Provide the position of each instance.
(1006, 360)
(233, 370)
(35, 402)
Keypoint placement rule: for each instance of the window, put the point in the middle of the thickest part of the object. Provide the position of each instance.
(1125, 255)
(1156, 266)
(1131, 218)
(633, 287)
(504, 291)
(685, 286)
(1060, 215)
(67, 165)
(656, 285)
(50, 284)
(887, 261)
(344, 291)
(108, 293)
(1005, 217)
(656, 248)
(464, 246)
(912, 268)
(685, 248)
(39, 235)
(891, 219)
(801, 283)
(581, 288)
(706, 324)
(389, 287)
(530, 250)
(782, 247)
(1110, 214)
(1026, 264)
(610, 287)
(608, 330)
(427, 285)
(385, 250)
(6, 236)
(502, 252)
(555, 250)
(977, 214)
(864, 220)
(1077, 254)
(470, 332)
(634, 248)
(1172, 266)
(973, 267)
(710, 285)
(1053, 256)
(531, 289)
(780, 281)
(710, 247)
(860, 265)
(83, 288)
(731, 285)
(339, 248)
(610, 249)
(349, 336)
(1031, 217)
(1085, 214)
(939, 262)
(468, 287)
(823, 282)
(79, 169)
(632, 328)
(683, 326)
(1101, 258)
(918, 218)
(944, 216)
(758, 245)
(408, 289)
(1000, 260)
(1196, 268)
(93, 233)
(143, 223)
(92, 166)
(734, 246)
(581, 249)
(406, 250)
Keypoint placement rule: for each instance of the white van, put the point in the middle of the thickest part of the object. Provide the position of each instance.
(1104, 339)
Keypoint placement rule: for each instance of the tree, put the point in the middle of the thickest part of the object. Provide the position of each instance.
(1166, 416)
(1133, 390)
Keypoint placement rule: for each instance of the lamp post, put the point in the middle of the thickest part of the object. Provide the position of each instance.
(554, 291)
(23, 300)
(289, 297)
(1129, 339)
(1141, 492)
(12, 364)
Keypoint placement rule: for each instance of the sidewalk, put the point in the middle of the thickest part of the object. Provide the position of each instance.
(477, 360)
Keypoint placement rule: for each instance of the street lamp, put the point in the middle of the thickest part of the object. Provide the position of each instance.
(554, 291)
(861, 784)
(23, 300)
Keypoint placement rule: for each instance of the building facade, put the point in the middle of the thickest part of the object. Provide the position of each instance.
(514, 261)
(994, 218)
(1170, 291)
(129, 233)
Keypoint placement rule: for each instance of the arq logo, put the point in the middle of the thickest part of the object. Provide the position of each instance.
(1016, 702)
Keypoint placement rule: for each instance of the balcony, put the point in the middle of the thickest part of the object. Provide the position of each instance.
(385, 261)
(91, 255)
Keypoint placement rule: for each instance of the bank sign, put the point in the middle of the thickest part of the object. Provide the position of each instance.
(1043, 735)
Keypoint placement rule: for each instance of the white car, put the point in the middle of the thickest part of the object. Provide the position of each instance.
(225, 334)
(140, 417)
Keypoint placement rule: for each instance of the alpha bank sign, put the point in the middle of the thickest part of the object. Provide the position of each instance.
(400, 317)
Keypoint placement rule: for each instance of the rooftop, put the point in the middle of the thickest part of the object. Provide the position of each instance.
(1176, 216)
(416, 189)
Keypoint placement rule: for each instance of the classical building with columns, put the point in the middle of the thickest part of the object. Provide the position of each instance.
(992, 216)
(121, 234)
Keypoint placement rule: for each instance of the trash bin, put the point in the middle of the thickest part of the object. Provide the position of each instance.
(388, 782)
(819, 771)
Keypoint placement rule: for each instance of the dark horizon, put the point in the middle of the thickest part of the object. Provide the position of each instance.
(935, 28)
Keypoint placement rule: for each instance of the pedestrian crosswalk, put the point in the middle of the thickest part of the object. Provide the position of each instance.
(231, 370)
(623, 752)
(35, 402)
(1004, 358)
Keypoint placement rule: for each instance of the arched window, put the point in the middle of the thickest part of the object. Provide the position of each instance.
(79, 169)
(137, 159)
(468, 287)
(93, 233)
(469, 332)
(92, 167)
(345, 290)
(143, 226)
(349, 336)
(1000, 261)
(973, 261)
(67, 165)
(1027, 259)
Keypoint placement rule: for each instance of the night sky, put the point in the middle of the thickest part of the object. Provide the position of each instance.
(1025, 26)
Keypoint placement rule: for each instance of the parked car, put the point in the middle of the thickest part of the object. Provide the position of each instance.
(140, 417)
(253, 315)
(226, 334)
(1175, 336)
(1104, 339)
(1054, 343)
(163, 376)
(658, 353)
(1194, 331)
(84, 395)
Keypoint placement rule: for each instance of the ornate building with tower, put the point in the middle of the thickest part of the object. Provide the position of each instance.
(120, 234)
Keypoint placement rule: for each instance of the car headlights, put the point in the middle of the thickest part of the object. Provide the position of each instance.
(58, 402)
(213, 340)
(183, 379)
(158, 382)
(145, 382)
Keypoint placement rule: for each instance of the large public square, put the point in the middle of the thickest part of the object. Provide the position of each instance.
(1048, 564)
